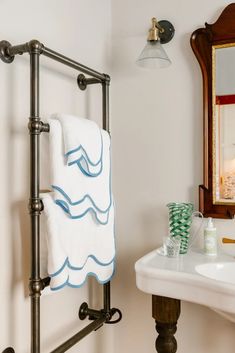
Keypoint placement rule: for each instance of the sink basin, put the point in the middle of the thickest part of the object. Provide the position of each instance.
(220, 271)
(193, 277)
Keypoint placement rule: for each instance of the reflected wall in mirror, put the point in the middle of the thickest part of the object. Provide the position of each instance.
(224, 123)
(214, 47)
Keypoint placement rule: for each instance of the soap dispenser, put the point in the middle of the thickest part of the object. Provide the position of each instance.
(210, 239)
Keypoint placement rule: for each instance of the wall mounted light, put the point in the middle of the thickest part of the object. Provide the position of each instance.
(153, 55)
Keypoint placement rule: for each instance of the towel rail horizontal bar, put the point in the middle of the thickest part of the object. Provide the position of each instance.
(7, 53)
(95, 325)
(71, 63)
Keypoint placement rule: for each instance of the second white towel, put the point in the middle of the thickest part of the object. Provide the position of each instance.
(77, 249)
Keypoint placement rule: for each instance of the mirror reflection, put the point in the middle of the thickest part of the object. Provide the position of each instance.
(224, 124)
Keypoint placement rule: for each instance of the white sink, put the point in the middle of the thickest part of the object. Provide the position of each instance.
(219, 271)
(193, 277)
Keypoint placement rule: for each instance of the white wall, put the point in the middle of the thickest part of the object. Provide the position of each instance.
(157, 144)
(157, 158)
(79, 29)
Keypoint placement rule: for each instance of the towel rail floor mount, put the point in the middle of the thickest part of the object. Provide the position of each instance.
(36, 284)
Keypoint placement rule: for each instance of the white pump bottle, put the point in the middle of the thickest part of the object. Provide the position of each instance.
(210, 239)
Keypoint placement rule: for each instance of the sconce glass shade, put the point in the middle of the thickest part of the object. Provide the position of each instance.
(153, 56)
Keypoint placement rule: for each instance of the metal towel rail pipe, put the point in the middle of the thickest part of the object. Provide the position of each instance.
(36, 127)
(8, 52)
(95, 325)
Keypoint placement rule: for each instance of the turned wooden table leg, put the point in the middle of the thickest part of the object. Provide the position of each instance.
(166, 312)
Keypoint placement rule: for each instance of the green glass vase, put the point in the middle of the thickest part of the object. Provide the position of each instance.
(180, 220)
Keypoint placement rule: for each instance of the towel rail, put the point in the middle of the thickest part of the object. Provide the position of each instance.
(36, 127)
(8, 52)
(95, 325)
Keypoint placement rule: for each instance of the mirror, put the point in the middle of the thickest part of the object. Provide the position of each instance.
(214, 47)
(224, 123)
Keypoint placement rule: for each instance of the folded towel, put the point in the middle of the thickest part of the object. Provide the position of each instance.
(76, 192)
(83, 143)
(77, 248)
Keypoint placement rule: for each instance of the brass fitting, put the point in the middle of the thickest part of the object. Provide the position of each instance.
(154, 30)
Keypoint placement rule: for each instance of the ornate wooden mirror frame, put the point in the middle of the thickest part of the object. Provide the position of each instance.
(203, 42)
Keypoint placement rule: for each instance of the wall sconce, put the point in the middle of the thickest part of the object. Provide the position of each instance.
(153, 55)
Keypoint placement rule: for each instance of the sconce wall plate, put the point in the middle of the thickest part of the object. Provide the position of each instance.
(168, 32)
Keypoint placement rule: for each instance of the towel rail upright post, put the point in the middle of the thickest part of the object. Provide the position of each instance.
(36, 127)
(105, 108)
(35, 206)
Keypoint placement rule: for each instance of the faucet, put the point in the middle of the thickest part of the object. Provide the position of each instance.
(228, 241)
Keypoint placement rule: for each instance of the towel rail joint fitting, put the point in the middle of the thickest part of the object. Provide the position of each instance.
(36, 126)
(35, 206)
(92, 314)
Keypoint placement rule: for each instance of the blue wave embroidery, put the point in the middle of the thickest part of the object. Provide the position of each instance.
(86, 171)
(80, 147)
(67, 264)
(67, 283)
(66, 209)
(87, 196)
(75, 203)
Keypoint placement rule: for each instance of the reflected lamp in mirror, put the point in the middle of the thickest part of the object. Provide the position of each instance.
(153, 55)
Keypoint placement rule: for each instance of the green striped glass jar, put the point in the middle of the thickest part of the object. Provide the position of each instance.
(180, 220)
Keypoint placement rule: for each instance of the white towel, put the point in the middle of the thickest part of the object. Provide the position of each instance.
(75, 190)
(77, 248)
(83, 143)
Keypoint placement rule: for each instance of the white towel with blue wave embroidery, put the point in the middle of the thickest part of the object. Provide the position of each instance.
(77, 248)
(83, 143)
(81, 168)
